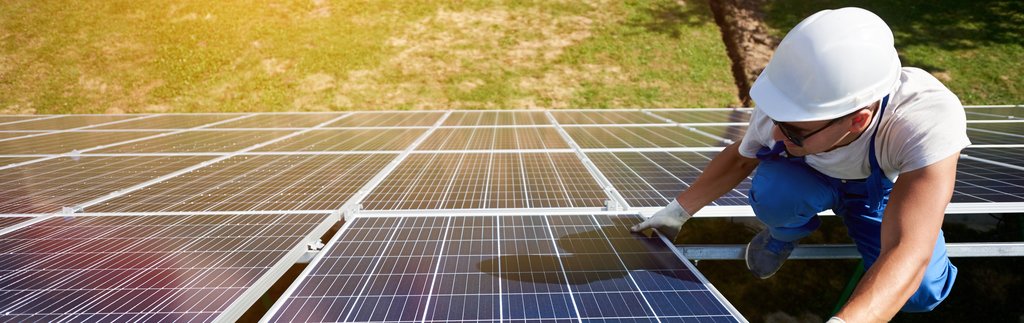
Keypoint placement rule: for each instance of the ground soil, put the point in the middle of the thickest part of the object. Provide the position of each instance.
(746, 38)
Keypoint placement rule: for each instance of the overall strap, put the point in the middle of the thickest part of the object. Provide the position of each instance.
(872, 158)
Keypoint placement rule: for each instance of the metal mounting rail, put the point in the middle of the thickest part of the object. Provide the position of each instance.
(849, 251)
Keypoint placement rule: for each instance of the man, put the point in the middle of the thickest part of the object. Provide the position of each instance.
(837, 121)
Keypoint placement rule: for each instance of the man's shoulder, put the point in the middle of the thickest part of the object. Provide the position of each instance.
(921, 93)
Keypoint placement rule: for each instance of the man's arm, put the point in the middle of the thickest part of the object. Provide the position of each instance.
(722, 174)
(910, 228)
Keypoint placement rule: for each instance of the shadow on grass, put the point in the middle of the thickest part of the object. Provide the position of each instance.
(666, 17)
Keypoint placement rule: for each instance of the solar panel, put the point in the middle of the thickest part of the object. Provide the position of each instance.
(12, 134)
(10, 118)
(989, 137)
(7, 221)
(605, 117)
(198, 141)
(65, 142)
(517, 268)
(982, 182)
(496, 118)
(389, 119)
(256, 183)
(993, 113)
(1012, 156)
(46, 186)
(652, 179)
(706, 115)
(172, 121)
(143, 268)
(290, 120)
(5, 161)
(731, 133)
(1010, 128)
(640, 137)
(66, 122)
(487, 180)
(490, 138)
(347, 140)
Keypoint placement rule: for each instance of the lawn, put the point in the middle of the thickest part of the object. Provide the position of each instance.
(974, 47)
(115, 56)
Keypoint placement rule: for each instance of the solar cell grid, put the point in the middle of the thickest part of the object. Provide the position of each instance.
(348, 140)
(981, 136)
(734, 133)
(496, 118)
(388, 119)
(65, 142)
(982, 182)
(4, 161)
(654, 179)
(604, 117)
(1015, 128)
(475, 268)
(5, 135)
(999, 113)
(705, 116)
(172, 121)
(6, 221)
(489, 138)
(198, 141)
(66, 122)
(639, 137)
(1012, 156)
(141, 268)
(291, 120)
(487, 180)
(256, 183)
(8, 118)
(46, 186)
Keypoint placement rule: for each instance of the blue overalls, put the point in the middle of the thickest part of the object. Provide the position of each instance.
(786, 194)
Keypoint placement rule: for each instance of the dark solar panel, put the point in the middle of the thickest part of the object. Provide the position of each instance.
(172, 121)
(654, 179)
(199, 141)
(639, 137)
(1012, 156)
(733, 133)
(494, 138)
(705, 116)
(66, 122)
(296, 120)
(257, 183)
(982, 182)
(980, 136)
(187, 268)
(65, 142)
(46, 186)
(516, 268)
(1013, 128)
(604, 117)
(348, 140)
(496, 118)
(487, 180)
(6, 221)
(388, 119)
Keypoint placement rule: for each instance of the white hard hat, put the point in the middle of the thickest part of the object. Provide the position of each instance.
(831, 64)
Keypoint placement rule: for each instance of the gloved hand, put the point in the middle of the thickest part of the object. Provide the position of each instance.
(668, 220)
(835, 320)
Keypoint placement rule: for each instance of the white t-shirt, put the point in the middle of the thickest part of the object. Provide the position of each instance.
(923, 124)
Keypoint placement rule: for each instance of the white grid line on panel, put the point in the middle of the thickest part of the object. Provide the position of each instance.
(565, 275)
(610, 190)
(704, 281)
(629, 273)
(969, 122)
(78, 208)
(81, 128)
(1011, 166)
(41, 117)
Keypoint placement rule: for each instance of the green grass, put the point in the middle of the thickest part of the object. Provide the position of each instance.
(974, 47)
(202, 56)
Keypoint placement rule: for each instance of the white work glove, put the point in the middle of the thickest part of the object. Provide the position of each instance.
(835, 320)
(668, 220)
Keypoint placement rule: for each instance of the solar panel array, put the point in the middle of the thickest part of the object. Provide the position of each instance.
(453, 215)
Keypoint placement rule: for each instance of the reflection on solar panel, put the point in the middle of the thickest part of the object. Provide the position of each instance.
(474, 268)
(199, 141)
(5, 161)
(65, 122)
(141, 268)
(496, 118)
(733, 133)
(604, 117)
(705, 116)
(389, 119)
(1012, 156)
(1000, 113)
(488, 180)
(46, 186)
(490, 138)
(65, 142)
(6, 221)
(981, 136)
(654, 179)
(291, 120)
(1012, 128)
(982, 182)
(348, 140)
(640, 137)
(171, 121)
(6, 135)
(256, 183)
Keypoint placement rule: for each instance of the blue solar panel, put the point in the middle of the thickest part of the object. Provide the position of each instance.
(490, 268)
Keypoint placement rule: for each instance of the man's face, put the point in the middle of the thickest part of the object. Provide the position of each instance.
(818, 136)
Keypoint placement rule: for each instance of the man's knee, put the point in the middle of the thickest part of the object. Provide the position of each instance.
(782, 194)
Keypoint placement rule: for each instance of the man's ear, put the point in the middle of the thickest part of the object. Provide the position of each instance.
(860, 120)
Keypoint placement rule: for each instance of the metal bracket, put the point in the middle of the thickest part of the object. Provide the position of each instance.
(312, 248)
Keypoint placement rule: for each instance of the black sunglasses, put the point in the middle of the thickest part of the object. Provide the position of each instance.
(795, 137)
